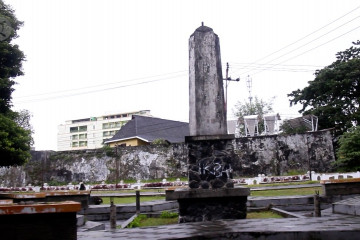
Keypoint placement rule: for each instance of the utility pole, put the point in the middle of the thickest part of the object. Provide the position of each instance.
(228, 79)
(249, 86)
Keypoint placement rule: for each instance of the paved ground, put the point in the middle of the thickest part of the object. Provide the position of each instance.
(330, 226)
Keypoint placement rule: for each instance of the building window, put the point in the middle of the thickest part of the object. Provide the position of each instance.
(82, 143)
(105, 125)
(75, 144)
(74, 137)
(83, 136)
(82, 128)
(78, 129)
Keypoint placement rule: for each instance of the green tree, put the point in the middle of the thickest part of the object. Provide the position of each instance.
(257, 107)
(14, 143)
(15, 140)
(22, 119)
(334, 95)
(11, 57)
(348, 153)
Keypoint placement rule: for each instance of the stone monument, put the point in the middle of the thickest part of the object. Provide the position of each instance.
(211, 159)
(206, 95)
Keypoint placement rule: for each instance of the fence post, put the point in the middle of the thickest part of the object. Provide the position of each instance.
(112, 214)
(137, 201)
(317, 207)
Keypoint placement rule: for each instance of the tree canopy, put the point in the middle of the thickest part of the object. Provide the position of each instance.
(15, 130)
(348, 153)
(334, 95)
(257, 107)
(11, 56)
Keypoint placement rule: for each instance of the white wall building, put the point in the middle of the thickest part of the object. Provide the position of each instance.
(90, 133)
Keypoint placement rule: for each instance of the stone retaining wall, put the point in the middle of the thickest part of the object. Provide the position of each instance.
(269, 155)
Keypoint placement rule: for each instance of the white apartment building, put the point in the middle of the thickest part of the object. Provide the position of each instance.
(91, 133)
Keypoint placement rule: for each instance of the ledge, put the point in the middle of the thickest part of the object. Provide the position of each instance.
(209, 137)
(206, 193)
(42, 194)
(37, 208)
(347, 180)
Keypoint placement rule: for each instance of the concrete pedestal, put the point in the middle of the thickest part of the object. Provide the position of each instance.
(39, 221)
(200, 205)
(341, 186)
(82, 197)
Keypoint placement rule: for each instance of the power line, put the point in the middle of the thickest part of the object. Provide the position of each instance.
(301, 38)
(100, 85)
(92, 91)
(284, 65)
(311, 41)
(313, 48)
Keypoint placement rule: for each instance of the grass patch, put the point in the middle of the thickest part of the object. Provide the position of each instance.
(147, 222)
(160, 190)
(281, 184)
(165, 218)
(126, 200)
(286, 192)
(262, 214)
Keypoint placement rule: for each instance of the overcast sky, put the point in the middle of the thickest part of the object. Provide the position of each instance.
(89, 58)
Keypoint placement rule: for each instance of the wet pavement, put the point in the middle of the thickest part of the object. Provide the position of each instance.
(335, 226)
(340, 225)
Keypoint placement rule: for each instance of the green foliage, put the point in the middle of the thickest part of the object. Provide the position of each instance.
(348, 153)
(160, 141)
(334, 95)
(292, 172)
(15, 139)
(165, 218)
(288, 129)
(262, 214)
(22, 118)
(109, 151)
(126, 200)
(14, 143)
(136, 222)
(256, 107)
(167, 214)
(285, 192)
(11, 58)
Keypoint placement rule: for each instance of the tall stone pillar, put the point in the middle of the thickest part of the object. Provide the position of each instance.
(211, 160)
(207, 114)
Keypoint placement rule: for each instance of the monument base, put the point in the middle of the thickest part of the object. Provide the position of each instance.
(200, 205)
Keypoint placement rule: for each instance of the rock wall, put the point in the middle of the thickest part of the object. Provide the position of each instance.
(94, 166)
(270, 155)
(279, 154)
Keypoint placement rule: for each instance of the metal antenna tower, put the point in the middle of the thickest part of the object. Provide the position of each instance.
(249, 86)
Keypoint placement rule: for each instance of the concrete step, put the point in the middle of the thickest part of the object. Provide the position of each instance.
(91, 226)
(80, 220)
(350, 206)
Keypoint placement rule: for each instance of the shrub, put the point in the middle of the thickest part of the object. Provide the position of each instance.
(167, 214)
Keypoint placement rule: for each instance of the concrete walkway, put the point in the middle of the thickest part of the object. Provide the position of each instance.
(344, 224)
(332, 227)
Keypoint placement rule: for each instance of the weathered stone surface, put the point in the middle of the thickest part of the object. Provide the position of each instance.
(90, 166)
(206, 193)
(214, 161)
(277, 155)
(270, 155)
(207, 115)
